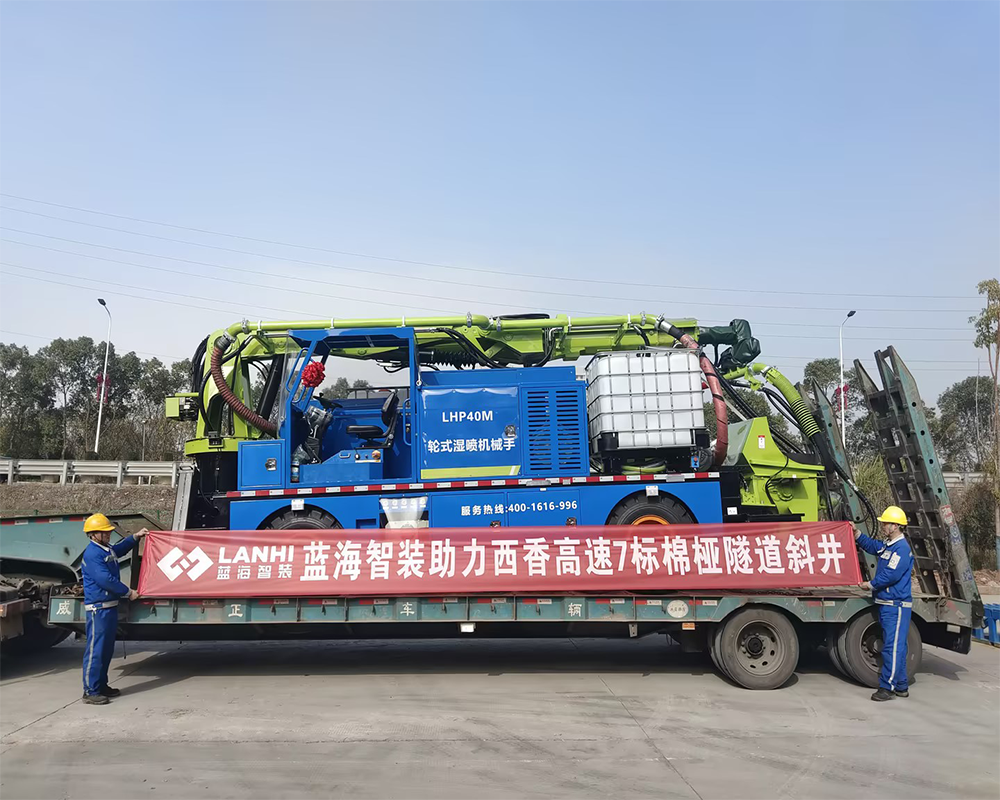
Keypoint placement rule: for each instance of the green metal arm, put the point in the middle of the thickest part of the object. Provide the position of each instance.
(519, 341)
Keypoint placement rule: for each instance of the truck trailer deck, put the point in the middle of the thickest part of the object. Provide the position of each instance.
(484, 433)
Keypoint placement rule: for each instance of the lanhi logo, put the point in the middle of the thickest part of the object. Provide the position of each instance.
(175, 563)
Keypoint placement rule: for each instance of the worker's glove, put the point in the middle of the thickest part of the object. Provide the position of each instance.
(866, 586)
(854, 528)
(133, 594)
(139, 534)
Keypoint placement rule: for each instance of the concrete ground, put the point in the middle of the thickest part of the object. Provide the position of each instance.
(487, 719)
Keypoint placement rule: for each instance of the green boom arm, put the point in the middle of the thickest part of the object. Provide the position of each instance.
(525, 340)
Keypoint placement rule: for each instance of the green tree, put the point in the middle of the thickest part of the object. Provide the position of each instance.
(987, 327)
(338, 390)
(974, 512)
(826, 372)
(861, 443)
(963, 433)
(26, 400)
(74, 366)
(342, 387)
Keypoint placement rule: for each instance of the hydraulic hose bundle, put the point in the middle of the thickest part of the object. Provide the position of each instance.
(712, 379)
(806, 423)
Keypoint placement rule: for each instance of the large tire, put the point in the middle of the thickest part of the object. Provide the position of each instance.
(313, 519)
(36, 637)
(832, 637)
(860, 648)
(656, 510)
(759, 648)
(713, 649)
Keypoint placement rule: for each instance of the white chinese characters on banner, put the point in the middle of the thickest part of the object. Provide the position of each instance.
(414, 559)
(498, 445)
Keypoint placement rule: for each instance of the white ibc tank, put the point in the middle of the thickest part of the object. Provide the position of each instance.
(649, 398)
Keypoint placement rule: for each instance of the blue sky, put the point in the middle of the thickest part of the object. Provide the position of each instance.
(746, 150)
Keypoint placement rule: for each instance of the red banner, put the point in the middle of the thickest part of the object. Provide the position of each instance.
(304, 563)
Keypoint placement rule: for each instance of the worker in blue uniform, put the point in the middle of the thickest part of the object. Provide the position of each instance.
(892, 594)
(102, 589)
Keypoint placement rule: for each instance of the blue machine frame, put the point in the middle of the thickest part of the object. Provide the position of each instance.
(516, 506)
(525, 427)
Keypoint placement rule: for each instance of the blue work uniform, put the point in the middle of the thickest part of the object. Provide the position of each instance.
(102, 589)
(894, 597)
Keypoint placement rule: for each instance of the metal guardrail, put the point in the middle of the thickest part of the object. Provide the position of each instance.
(990, 632)
(957, 481)
(68, 471)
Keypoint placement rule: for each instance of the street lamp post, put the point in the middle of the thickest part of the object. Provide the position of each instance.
(843, 394)
(104, 379)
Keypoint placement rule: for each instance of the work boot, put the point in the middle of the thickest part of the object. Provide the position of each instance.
(107, 691)
(902, 692)
(882, 695)
(95, 699)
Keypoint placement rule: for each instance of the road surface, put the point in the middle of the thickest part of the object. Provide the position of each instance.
(487, 719)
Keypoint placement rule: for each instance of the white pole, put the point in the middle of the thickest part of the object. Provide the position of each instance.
(104, 379)
(843, 394)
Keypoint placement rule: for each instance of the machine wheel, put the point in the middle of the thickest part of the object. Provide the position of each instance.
(758, 648)
(642, 510)
(313, 519)
(860, 648)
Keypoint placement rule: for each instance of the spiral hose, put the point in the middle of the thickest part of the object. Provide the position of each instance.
(248, 415)
(807, 422)
(712, 379)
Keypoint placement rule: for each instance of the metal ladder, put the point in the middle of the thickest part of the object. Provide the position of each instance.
(917, 482)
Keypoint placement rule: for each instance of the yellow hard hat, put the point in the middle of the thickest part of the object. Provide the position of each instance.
(97, 522)
(893, 514)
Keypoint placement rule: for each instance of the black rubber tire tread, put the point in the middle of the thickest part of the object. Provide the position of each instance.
(313, 519)
(914, 651)
(727, 648)
(854, 660)
(713, 649)
(832, 637)
(841, 645)
(35, 638)
(639, 505)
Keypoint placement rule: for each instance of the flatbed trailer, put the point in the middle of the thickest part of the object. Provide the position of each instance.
(312, 463)
(39, 555)
(787, 621)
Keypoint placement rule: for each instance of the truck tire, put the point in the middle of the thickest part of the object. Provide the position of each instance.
(713, 649)
(656, 510)
(832, 637)
(860, 648)
(759, 648)
(36, 636)
(313, 519)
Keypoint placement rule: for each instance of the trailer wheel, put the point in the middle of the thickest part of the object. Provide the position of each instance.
(36, 636)
(713, 649)
(758, 648)
(313, 519)
(832, 637)
(642, 510)
(861, 648)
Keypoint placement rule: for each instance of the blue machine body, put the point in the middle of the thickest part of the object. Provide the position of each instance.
(453, 426)
(502, 423)
(588, 504)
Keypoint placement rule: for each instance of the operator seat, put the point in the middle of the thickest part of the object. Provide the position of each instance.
(375, 436)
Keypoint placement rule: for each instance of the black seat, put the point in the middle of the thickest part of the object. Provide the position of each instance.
(375, 436)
